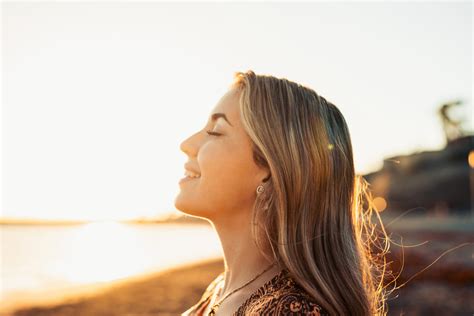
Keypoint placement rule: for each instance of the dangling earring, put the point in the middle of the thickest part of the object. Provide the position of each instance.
(260, 190)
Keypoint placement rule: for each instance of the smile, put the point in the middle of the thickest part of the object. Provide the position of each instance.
(186, 179)
(191, 174)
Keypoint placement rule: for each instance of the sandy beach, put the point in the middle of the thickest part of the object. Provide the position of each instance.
(445, 288)
(169, 292)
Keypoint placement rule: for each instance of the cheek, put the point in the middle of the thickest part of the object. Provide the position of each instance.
(220, 166)
(226, 175)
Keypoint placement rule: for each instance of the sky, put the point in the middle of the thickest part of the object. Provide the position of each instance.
(97, 97)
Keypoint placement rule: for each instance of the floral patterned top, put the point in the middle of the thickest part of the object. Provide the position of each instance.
(279, 296)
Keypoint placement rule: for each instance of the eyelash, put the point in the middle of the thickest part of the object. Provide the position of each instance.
(212, 133)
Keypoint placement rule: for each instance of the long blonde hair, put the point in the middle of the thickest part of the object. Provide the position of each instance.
(315, 215)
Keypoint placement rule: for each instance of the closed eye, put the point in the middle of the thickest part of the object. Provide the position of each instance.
(213, 133)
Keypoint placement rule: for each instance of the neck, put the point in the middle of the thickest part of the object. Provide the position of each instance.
(242, 259)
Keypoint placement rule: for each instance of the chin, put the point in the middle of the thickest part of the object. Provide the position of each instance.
(187, 207)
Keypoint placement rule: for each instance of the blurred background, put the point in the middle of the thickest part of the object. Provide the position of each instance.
(97, 96)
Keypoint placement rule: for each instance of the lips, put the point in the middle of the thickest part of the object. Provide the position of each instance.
(192, 170)
(190, 174)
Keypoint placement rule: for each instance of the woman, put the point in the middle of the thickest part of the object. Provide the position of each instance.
(273, 172)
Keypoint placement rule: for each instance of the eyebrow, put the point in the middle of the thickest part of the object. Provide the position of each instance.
(215, 116)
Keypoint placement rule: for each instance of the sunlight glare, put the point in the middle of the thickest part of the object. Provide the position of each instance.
(101, 252)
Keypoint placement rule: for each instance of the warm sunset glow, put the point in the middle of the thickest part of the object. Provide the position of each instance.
(101, 248)
(100, 100)
(78, 149)
(380, 204)
(43, 258)
(96, 240)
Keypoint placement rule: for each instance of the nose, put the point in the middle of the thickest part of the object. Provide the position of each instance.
(189, 146)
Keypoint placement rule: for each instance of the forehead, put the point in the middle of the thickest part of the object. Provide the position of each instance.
(229, 105)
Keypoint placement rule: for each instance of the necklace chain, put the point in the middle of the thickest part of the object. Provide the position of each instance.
(216, 305)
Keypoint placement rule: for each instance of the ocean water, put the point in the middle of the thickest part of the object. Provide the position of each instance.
(36, 259)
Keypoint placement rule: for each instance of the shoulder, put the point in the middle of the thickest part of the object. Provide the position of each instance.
(284, 296)
(212, 286)
(196, 309)
(296, 303)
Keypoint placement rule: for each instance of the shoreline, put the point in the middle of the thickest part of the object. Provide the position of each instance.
(435, 258)
(89, 299)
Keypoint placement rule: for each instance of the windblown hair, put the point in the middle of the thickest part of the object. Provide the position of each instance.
(315, 213)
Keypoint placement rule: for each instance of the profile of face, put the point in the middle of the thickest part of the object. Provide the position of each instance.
(221, 155)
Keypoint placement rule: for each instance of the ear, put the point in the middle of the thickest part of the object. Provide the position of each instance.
(267, 177)
(262, 174)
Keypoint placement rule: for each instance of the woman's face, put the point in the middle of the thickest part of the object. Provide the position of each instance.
(228, 174)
